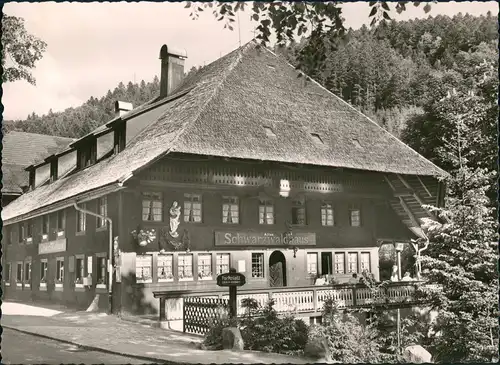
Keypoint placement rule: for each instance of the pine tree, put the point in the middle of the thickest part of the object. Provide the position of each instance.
(463, 254)
(462, 259)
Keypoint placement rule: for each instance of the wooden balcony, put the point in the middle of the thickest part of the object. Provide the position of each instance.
(302, 301)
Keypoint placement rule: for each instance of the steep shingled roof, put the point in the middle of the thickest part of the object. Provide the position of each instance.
(235, 97)
(20, 150)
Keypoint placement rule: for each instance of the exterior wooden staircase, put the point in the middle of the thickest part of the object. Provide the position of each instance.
(410, 194)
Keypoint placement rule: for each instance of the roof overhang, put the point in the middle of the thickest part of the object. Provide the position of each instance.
(66, 203)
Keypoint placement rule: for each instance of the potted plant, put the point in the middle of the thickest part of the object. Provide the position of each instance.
(144, 236)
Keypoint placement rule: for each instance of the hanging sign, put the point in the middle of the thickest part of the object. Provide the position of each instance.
(231, 279)
(58, 245)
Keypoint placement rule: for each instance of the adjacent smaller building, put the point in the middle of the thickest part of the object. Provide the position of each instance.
(20, 150)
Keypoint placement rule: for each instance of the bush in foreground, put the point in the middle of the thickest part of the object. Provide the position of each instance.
(262, 330)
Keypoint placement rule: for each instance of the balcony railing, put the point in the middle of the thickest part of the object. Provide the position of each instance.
(298, 300)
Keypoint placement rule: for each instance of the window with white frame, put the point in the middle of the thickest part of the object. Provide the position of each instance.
(144, 268)
(45, 224)
(60, 270)
(230, 210)
(102, 204)
(327, 215)
(79, 270)
(6, 275)
(192, 208)
(299, 211)
(152, 206)
(165, 267)
(365, 261)
(339, 263)
(81, 220)
(257, 265)
(43, 272)
(266, 211)
(204, 266)
(19, 273)
(101, 270)
(352, 262)
(222, 263)
(185, 266)
(312, 263)
(61, 221)
(27, 272)
(354, 215)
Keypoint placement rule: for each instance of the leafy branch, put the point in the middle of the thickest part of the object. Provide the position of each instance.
(21, 49)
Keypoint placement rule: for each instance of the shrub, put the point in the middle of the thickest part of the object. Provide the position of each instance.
(348, 340)
(268, 332)
(262, 330)
(213, 338)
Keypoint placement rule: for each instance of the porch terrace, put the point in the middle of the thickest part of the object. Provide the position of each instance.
(307, 301)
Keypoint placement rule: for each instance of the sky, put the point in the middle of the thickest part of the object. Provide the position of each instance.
(91, 47)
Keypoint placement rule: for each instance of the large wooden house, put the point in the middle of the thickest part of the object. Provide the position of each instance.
(247, 164)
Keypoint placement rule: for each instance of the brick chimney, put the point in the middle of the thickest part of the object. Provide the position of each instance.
(172, 69)
(122, 108)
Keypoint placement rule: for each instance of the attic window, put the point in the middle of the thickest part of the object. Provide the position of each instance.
(269, 132)
(317, 138)
(357, 144)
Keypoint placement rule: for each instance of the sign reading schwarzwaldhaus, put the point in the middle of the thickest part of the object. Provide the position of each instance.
(224, 238)
(231, 279)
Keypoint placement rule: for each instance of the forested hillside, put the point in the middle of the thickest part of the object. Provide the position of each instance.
(77, 122)
(397, 69)
(392, 73)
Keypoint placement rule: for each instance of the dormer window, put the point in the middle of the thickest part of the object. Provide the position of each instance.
(53, 169)
(31, 171)
(87, 154)
(119, 137)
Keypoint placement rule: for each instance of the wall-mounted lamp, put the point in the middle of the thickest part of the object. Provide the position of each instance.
(284, 188)
(295, 249)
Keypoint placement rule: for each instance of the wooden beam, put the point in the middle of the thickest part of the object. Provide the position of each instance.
(249, 188)
(416, 196)
(409, 212)
(425, 187)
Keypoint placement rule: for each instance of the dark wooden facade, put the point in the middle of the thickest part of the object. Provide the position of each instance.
(212, 179)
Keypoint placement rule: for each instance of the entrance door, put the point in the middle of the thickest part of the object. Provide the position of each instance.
(277, 269)
(326, 263)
